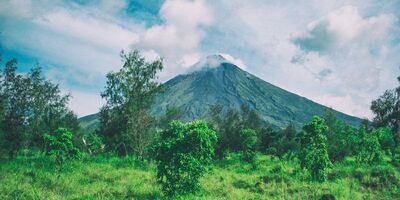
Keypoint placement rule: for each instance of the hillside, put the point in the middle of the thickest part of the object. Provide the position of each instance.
(215, 80)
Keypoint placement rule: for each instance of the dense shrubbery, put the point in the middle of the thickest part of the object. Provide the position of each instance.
(59, 145)
(248, 138)
(314, 150)
(183, 156)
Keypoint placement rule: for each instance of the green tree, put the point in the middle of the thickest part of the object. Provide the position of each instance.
(14, 88)
(387, 111)
(314, 151)
(60, 146)
(183, 155)
(93, 143)
(341, 137)
(248, 138)
(370, 150)
(125, 120)
(31, 106)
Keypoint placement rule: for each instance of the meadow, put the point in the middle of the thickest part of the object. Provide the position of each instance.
(32, 175)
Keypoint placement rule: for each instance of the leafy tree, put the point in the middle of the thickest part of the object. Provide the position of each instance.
(387, 112)
(314, 151)
(183, 155)
(286, 141)
(248, 139)
(342, 138)
(228, 127)
(125, 120)
(386, 140)
(370, 150)
(229, 122)
(267, 138)
(14, 89)
(31, 106)
(60, 146)
(93, 143)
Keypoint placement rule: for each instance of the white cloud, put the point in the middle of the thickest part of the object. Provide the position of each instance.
(88, 29)
(235, 61)
(182, 31)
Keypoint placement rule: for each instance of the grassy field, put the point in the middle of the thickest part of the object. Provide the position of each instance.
(107, 177)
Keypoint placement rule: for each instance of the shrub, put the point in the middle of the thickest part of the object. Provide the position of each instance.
(370, 150)
(183, 155)
(314, 151)
(60, 146)
(248, 140)
(93, 144)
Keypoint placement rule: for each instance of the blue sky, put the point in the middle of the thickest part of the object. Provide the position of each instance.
(341, 53)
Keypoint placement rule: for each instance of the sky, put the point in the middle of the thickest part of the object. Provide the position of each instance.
(340, 53)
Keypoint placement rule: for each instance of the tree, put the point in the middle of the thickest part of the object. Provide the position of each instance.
(314, 151)
(227, 126)
(370, 150)
(228, 123)
(341, 137)
(60, 146)
(387, 112)
(125, 120)
(30, 106)
(248, 139)
(93, 143)
(14, 89)
(183, 155)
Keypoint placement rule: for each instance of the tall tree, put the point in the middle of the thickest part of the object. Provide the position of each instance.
(314, 151)
(31, 106)
(15, 93)
(125, 120)
(387, 111)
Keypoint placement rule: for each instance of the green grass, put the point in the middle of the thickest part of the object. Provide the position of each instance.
(107, 177)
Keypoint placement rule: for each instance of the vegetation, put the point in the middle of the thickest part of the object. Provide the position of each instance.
(134, 155)
(314, 151)
(183, 156)
(125, 121)
(60, 146)
(248, 139)
(31, 176)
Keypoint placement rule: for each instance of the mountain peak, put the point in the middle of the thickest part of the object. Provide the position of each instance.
(211, 62)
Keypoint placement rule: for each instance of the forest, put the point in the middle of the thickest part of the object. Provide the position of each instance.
(233, 154)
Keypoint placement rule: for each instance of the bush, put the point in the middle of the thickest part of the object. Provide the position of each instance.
(60, 146)
(183, 155)
(93, 144)
(314, 151)
(248, 140)
(370, 150)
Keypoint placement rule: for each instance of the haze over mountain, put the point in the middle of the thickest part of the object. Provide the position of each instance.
(215, 80)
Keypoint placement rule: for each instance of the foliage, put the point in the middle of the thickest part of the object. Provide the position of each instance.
(387, 111)
(342, 138)
(248, 138)
(30, 106)
(184, 154)
(314, 151)
(125, 120)
(93, 144)
(228, 123)
(370, 150)
(60, 146)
